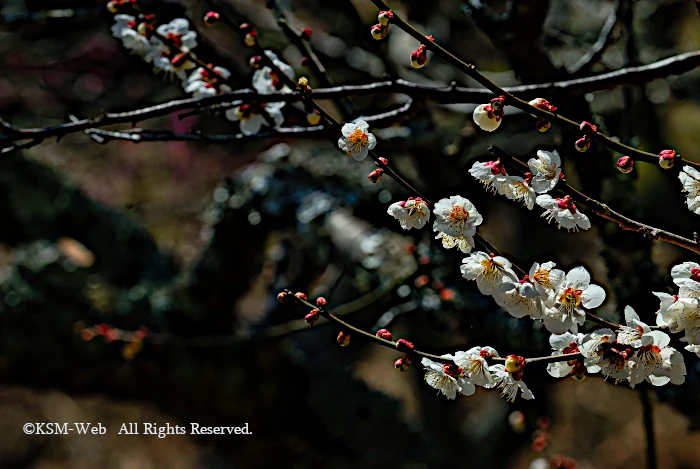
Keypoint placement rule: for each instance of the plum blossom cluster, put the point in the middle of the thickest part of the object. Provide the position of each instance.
(470, 369)
(170, 48)
(545, 172)
(690, 178)
(681, 312)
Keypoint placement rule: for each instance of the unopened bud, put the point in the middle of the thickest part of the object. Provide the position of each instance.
(245, 27)
(343, 339)
(251, 38)
(312, 317)
(582, 144)
(419, 58)
(385, 16)
(384, 334)
(542, 103)
(211, 18)
(306, 33)
(667, 158)
(255, 62)
(625, 164)
(588, 128)
(402, 363)
(379, 32)
(404, 345)
(497, 103)
(514, 363)
(303, 82)
(142, 29)
(383, 160)
(301, 296)
(375, 176)
(282, 296)
(113, 7)
(543, 125)
(321, 302)
(313, 118)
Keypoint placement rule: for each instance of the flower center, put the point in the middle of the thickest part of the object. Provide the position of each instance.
(496, 167)
(570, 300)
(492, 270)
(452, 370)
(458, 214)
(358, 137)
(695, 274)
(542, 277)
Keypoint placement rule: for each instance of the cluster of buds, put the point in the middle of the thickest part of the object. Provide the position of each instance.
(313, 116)
(211, 18)
(625, 164)
(376, 175)
(588, 129)
(118, 6)
(251, 35)
(514, 365)
(419, 57)
(380, 30)
(667, 158)
(489, 116)
(543, 125)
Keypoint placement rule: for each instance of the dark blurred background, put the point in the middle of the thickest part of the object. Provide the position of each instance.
(193, 241)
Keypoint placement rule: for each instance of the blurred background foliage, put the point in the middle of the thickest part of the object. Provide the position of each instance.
(193, 241)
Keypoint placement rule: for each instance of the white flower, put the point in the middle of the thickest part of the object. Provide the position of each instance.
(124, 29)
(562, 344)
(573, 294)
(413, 213)
(475, 367)
(171, 53)
(546, 280)
(600, 355)
(520, 299)
(670, 311)
(251, 118)
(517, 188)
(491, 174)
(265, 81)
(687, 277)
(179, 33)
(122, 22)
(489, 271)
(508, 385)
(464, 244)
(683, 315)
(356, 141)
(635, 333)
(693, 348)
(690, 177)
(456, 217)
(657, 363)
(546, 170)
(203, 82)
(449, 379)
(486, 119)
(564, 212)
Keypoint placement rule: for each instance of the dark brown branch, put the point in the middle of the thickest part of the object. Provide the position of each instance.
(648, 415)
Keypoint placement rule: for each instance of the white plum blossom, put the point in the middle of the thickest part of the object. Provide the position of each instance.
(635, 333)
(356, 140)
(573, 294)
(464, 244)
(508, 385)
(690, 177)
(564, 344)
(601, 357)
(475, 367)
(251, 116)
(657, 363)
(564, 212)
(687, 277)
(517, 188)
(449, 379)
(670, 311)
(125, 29)
(520, 299)
(203, 82)
(171, 56)
(265, 81)
(546, 280)
(489, 271)
(491, 174)
(546, 170)
(412, 213)
(486, 118)
(456, 217)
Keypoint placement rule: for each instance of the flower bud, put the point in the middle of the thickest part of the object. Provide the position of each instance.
(667, 158)
(375, 176)
(246, 27)
(543, 125)
(385, 16)
(303, 82)
(312, 317)
(343, 339)
(583, 144)
(321, 302)
(588, 128)
(379, 32)
(282, 296)
(255, 62)
(514, 363)
(142, 29)
(383, 160)
(625, 164)
(211, 18)
(497, 103)
(402, 363)
(542, 103)
(404, 345)
(113, 7)
(301, 296)
(419, 57)
(313, 118)
(485, 118)
(251, 38)
(384, 334)
(305, 33)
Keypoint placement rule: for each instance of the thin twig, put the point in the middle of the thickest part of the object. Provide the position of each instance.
(648, 415)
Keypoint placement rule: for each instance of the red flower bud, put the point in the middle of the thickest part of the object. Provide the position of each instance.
(343, 339)
(419, 57)
(588, 128)
(543, 125)
(583, 144)
(211, 18)
(321, 302)
(312, 317)
(667, 158)
(376, 175)
(255, 62)
(625, 164)
(379, 32)
(301, 296)
(404, 345)
(384, 334)
(384, 17)
(282, 296)
(245, 27)
(306, 33)
(383, 160)
(402, 363)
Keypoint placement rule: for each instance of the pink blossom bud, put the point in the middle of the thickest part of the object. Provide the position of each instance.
(301, 296)
(312, 317)
(211, 18)
(419, 57)
(497, 103)
(588, 128)
(379, 32)
(113, 7)
(306, 33)
(385, 16)
(321, 302)
(402, 363)
(514, 363)
(251, 38)
(375, 176)
(404, 345)
(282, 296)
(383, 160)
(543, 125)
(583, 144)
(255, 62)
(667, 158)
(384, 334)
(245, 27)
(343, 339)
(542, 103)
(625, 164)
